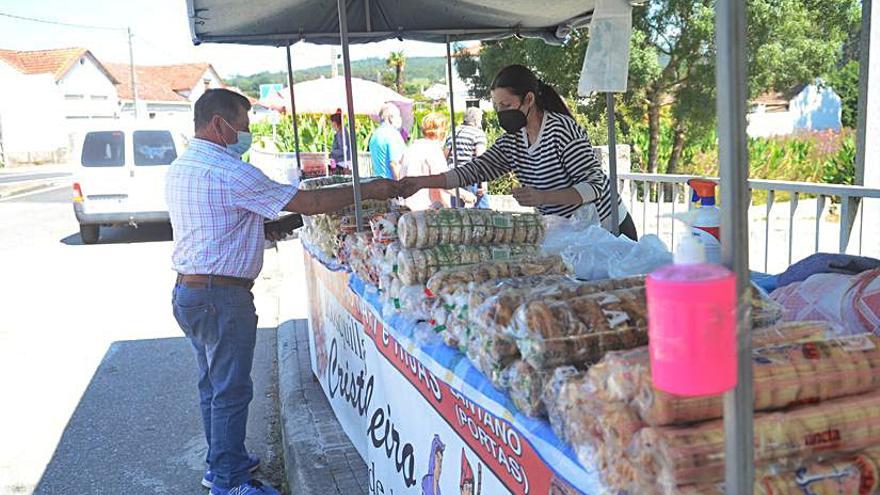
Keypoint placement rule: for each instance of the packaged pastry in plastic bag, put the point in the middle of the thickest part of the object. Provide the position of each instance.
(599, 431)
(848, 474)
(492, 368)
(580, 330)
(526, 386)
(560, 391)
(673, 456)
(384, 226)
(784, 375)
(422, 229)
(416, 266)
(450, 279)
(414, 302)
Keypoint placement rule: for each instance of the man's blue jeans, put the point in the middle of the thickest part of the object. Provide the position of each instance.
(221, 323)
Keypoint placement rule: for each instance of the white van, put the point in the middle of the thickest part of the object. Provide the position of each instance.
(121, 176)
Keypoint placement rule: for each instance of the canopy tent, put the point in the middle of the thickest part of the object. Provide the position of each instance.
(282, 22)
(278, 22)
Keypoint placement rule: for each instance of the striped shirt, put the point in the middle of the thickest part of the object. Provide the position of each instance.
(217, 204)
(467, 138)
(560, 158)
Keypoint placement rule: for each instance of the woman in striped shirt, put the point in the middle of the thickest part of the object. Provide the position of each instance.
(545, 148)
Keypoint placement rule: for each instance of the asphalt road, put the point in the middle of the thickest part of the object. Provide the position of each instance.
(97, 380)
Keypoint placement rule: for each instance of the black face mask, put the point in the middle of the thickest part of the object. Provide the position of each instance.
(511, 120)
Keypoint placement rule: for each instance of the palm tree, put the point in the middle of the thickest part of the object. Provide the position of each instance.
(397, 61)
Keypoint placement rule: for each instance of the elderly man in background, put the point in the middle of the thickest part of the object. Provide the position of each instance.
(217, 205)
(470, 143)
(386, 144)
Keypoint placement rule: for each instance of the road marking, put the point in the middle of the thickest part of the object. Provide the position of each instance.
(38, 191)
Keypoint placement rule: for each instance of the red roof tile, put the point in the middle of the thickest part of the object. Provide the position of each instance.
(158, 82)
(56, 62)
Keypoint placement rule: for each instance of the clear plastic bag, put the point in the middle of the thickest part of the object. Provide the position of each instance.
(674, 456)
(581, 330)
(526, 386)
(416, 266)
(647, 255)
(563, 232)
(428, 228)
(451, 279)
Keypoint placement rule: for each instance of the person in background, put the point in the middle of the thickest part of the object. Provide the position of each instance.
(425, 157)
(386, 144)
(398, 124)
(340, 152)
(545, 148)
(217, 204)
(470, 141)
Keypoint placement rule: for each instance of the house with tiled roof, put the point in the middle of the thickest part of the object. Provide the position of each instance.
(86, 85)
(801, 108)
(164, 90)
(49, 96)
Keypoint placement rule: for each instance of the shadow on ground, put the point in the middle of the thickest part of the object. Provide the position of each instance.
(137, 428)
(151, 232)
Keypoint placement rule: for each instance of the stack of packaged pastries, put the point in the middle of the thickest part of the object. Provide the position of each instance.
(446, 240)
(328, 233)
(817, 422)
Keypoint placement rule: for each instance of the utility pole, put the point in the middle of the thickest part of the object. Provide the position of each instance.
(134, 91)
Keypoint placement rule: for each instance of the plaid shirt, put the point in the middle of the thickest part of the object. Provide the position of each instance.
(217, 204)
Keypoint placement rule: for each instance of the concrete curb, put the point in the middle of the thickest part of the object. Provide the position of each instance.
(17, 188)
(319, 459)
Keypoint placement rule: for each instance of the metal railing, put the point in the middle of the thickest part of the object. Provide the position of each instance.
(657, 197)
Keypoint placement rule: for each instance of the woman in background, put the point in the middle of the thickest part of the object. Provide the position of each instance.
(425, 157)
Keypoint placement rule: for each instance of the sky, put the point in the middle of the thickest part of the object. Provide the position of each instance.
(162, 36)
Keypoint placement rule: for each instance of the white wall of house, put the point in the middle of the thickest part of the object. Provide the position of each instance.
(765, 124)
(89, 98)
(32, 129)
(210, 79)
(88, 92)
(815, 108)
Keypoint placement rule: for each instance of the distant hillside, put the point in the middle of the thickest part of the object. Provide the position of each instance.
(425, 70)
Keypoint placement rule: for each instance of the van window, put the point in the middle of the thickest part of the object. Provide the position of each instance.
(154, 148)
(104, 149)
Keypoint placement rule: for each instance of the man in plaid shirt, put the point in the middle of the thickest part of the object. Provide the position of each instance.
(217, 204)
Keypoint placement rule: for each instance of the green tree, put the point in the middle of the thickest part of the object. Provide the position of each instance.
(672, 67)
(845, 82)
(397, 63)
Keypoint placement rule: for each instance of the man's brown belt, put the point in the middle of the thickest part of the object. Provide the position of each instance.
(204, 281)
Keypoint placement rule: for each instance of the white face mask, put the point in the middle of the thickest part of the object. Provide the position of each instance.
(242, 145)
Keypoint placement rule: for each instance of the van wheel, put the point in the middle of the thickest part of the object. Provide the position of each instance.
(89, 233)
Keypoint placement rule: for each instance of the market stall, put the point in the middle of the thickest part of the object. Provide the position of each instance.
(435, 391)
(462, 332)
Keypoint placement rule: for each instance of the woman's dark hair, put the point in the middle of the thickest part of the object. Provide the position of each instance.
(519, 80)
(336, 118)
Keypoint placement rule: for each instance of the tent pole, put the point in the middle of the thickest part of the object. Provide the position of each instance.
(730, 24)
(369, 22)
(293, 106)
(864, 74)
(452, 115)
(346, 64)
(612, 165)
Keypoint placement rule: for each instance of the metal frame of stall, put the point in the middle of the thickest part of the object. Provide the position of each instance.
(730, 21)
